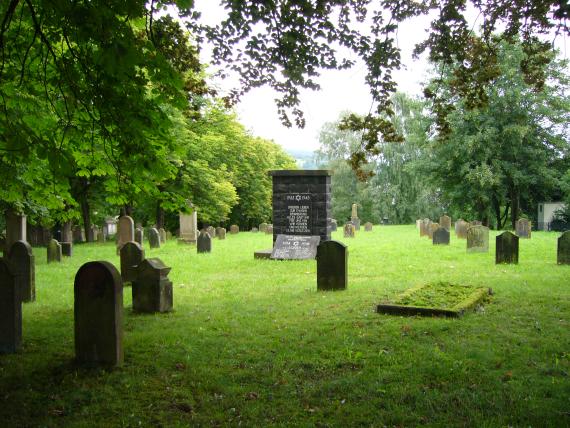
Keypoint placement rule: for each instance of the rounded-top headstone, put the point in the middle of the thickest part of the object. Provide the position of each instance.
(23, 265)
(204, 244)
(234, 228)
(98, 314)
(153, 238)
(53, 251)
(132, 254)
(507, 248)
(126, 230)
(332, 266)
(221, 232)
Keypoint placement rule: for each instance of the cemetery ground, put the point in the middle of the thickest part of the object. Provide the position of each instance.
(252, 342)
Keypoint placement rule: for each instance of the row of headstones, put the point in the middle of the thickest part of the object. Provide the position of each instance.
(350, 229)
(523, 227)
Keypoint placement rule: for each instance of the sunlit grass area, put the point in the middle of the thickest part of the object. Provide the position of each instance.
(252, 342)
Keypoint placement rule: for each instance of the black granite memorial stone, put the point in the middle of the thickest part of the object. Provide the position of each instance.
(204, 243)
(295, 247)
(302, 203)
(10, 311)
(507, 248)
(332, 266)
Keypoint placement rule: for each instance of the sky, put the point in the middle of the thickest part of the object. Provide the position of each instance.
(340, 90)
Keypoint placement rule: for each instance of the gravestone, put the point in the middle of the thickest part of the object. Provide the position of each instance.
(425, 227)
(354, 217)
(441, 236)
(188, 226)
(10, 310)
(53, 251)
(334, 225)
(66, 232)
(221, 232)
(349, 230)
(15, 229)
(254, 230)
(478, 239)
(168, 235)
(368, 227)
(445, 221)
(234, 229)
(507, 248)
(332, 266)
(461, 227)
(139, 236)
(132, 254)
(211, 231)
(153, 238)
(431, 229)
(476, 223)
(523, 228)
(418, 223)
(66, 249)
(101, 238)
(162, 234)
(269, 230)
(152, 290)
(94, 233)
(263, 227)
(126, 232)
(204, 242)
(302, 203)
(78, 234)
(23, 267)
(563, 253)
(98, 313)
(295, 247)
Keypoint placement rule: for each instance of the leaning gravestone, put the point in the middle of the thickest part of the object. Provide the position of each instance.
(302, 203)
(563, 253)
(153, 238)
(263, 227)
(334, 225)
(441, 236)
(162, 234)
(221, 232)
(188, 226)
(10, 311)
(98, 313)
(15, 229)
(295, 247)
(445, 221)
(507, 248)
(152, 291)
(461, 227)
(368, 227)
(53, 251)
(132, 254)
(204, 242)
(126, 232)
(332, 266)
(349, 230)
(211, 231)
(23, 267)
(234, 229)
(478, 239)
(523, 228)
(139, 236)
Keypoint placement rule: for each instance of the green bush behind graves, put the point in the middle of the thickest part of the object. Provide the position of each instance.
(252, 342)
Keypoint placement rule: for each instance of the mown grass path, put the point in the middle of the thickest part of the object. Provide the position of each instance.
(251, 342)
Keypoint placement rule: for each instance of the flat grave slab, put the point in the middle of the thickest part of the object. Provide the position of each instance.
(436, 299)
(295, 247)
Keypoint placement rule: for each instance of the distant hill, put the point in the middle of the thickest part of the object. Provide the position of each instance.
(305, 158)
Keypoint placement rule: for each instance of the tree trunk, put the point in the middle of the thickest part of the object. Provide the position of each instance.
(159, 215)
(86, 215)
(514, 207)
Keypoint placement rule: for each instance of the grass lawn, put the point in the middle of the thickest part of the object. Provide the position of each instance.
(252, 343)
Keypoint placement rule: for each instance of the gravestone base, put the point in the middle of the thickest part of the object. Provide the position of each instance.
(263, 254)
(152, 297)
(185, 241)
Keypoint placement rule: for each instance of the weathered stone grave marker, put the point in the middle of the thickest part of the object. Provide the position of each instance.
(441, 236)
(354, 217)
(78, 234)
(152, 290)
(234, 229)
(332, 266)
(188, 226)
(478, 239)
(263, 227)
(334, 225)
(98, 313)
(23, 267)
(349, 230)
(139, 236)
(445, 221)
(254, 230)
(507, 248)
(295, 247)
(162, 234)
(431, 229)
(461, 227)
(126, 232)
(563, 253)
(221, 232)
(368, 227)
(153, 238)
(53, 251)
(523, 228)
(425, 227)
(10, 311)
(211, 231)
(132, 254)
(204, 242)
(15, 229)
(269, 230)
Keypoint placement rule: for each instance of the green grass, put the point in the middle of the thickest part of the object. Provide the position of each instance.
(444, 295)
(252, 343)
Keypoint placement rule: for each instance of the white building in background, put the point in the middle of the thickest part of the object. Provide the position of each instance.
(546, 211)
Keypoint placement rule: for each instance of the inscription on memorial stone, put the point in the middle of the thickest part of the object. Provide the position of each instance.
(289, 247)
(299, 213)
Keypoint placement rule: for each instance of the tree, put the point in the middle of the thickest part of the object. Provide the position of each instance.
(505, 155)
